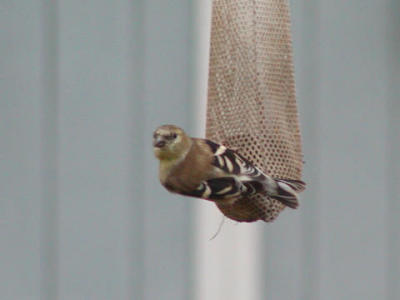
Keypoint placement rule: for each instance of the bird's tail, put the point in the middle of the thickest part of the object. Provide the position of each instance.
(287, 191)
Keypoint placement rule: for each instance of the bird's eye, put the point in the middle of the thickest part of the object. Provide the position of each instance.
(171, 136)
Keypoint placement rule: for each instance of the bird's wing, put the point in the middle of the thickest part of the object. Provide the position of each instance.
(243, 180)
(231, 162)
(240, 177)
(220, 188)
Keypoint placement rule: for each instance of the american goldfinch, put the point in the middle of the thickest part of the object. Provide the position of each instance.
(204, 169)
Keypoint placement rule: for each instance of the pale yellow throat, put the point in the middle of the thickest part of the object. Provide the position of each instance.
(166, 167)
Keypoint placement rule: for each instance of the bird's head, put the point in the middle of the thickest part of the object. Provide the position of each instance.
(170, 142)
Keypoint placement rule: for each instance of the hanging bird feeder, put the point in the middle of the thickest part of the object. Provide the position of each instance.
(251, 95)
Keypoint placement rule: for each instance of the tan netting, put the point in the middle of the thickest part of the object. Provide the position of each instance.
(251, 97)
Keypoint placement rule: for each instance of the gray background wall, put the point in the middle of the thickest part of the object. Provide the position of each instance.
(82, 216)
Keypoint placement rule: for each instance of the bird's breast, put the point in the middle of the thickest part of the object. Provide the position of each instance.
(165, 169)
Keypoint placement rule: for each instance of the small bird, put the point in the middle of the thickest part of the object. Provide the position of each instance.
(203, 169)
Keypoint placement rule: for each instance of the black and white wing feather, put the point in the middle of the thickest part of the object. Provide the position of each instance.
(233, 163)
(243, 180)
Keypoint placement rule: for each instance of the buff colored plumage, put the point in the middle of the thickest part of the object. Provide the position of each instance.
(203, 169)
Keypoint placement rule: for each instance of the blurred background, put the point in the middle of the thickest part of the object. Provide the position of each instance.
(82, 215)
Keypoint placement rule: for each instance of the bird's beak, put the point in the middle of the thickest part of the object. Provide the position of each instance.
(159, 142)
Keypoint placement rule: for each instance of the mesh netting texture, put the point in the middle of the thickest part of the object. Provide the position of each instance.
(251, 98)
